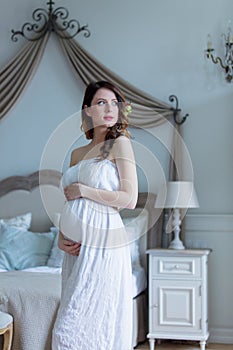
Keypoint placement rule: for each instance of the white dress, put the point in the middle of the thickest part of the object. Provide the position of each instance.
(95, 312)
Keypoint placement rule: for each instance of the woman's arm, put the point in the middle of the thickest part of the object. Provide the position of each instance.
(126, 196)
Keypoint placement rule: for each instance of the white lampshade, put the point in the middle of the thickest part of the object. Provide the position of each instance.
(177, 194)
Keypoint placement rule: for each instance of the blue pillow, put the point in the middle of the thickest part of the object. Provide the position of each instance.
(56, 255)
(21, 249)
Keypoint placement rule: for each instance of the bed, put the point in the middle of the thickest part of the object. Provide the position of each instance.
(30, 262)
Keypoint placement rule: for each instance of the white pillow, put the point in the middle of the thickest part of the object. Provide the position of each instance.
(21, 221)
(136, 224)
(133, 232)
(135, 255)
(56, 254)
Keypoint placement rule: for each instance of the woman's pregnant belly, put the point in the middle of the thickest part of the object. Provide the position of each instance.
(93, 224)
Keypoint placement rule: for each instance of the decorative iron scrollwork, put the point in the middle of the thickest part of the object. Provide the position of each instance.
(177, 110)
(227, 62)
(51, 20)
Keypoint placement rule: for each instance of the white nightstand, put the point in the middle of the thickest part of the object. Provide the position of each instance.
(178, 299)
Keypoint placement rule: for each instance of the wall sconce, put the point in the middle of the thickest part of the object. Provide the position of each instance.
(227, 62)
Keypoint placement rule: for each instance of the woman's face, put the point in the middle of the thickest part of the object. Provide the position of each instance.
(104, 108)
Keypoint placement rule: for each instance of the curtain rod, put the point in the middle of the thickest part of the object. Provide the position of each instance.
(177, 110)
(50, 20)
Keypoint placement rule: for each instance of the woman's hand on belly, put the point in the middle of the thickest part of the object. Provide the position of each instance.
(72, 248)
(73, 191)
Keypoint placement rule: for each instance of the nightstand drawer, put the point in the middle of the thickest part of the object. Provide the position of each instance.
(175, 266)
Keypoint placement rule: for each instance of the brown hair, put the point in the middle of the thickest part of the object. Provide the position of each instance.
(113, 132)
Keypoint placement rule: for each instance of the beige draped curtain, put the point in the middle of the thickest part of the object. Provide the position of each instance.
(147, 111)
(18, 73)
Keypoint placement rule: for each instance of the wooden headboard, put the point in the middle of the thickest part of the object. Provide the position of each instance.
(21, 194)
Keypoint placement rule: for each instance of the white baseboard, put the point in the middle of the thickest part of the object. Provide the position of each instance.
(221, 335)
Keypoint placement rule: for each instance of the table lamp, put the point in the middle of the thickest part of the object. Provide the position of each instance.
(176, 195)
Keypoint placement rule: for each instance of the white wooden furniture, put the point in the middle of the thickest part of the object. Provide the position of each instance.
(6, 329)
(178, 300)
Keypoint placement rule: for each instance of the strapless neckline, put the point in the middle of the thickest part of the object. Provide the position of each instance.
(93, 172)
(94, 159)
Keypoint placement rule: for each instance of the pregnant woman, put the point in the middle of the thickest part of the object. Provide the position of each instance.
(95, 312)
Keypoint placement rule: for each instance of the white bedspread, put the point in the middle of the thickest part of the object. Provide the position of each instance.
(32, 297)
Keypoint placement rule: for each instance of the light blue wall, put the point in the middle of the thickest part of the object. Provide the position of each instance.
(155, 45)
(158, 46)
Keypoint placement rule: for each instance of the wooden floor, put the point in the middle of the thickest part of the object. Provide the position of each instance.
(188, 346)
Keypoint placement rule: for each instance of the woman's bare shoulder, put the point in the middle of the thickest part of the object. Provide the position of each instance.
(122, 147)
(78, 154)
(122, 140)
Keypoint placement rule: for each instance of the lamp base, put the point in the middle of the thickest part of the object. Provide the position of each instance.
(176, 243)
